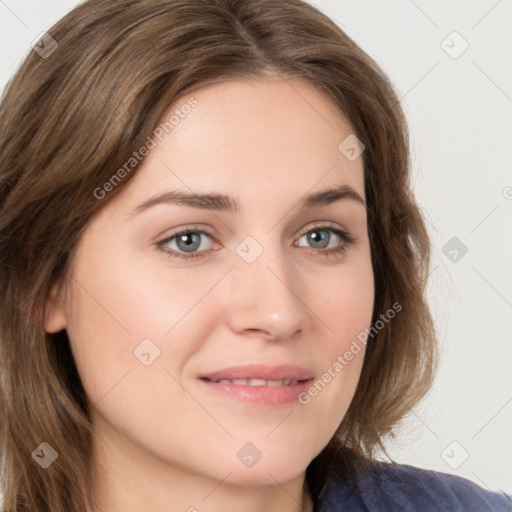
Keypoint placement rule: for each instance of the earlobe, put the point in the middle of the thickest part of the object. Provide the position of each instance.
(55, 318)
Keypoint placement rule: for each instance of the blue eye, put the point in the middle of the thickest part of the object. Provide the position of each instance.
(188, 242)
(322, 237)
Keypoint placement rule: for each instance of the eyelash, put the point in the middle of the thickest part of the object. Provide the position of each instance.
(347, 238)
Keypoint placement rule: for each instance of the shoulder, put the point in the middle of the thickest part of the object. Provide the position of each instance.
(390, 487)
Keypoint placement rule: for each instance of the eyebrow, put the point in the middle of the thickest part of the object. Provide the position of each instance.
(223, 203)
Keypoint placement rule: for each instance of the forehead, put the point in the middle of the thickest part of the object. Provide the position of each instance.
(260, 140)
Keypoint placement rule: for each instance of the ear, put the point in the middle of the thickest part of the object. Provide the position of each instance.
(55, 318)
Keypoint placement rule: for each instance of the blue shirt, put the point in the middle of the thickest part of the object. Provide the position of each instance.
(403, 488)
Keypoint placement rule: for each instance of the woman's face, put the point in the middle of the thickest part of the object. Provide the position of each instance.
(271, 289)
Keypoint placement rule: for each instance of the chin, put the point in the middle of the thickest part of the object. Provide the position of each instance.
(267, 474)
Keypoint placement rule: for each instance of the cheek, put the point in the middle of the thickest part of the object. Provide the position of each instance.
(345, 308)
(346, 304)
(114, 308)
(125, 313)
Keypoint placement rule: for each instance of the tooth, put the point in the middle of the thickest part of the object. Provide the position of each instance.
(257, 382)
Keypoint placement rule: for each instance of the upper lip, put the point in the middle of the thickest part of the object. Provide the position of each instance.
(260, 371)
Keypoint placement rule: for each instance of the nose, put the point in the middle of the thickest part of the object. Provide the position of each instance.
(267, 297)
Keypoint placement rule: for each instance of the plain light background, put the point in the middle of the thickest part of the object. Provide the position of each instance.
(451, 63)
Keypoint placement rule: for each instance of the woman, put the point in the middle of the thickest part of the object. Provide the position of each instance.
(212, 270)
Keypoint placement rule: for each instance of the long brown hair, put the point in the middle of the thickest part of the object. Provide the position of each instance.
(70, 119)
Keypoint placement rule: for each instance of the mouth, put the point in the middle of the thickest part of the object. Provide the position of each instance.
(259, 372)
(256, 382)
(259, 384)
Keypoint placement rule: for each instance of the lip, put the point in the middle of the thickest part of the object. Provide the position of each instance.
(263, 395)
(260, 371)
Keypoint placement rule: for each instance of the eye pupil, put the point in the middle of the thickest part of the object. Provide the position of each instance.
(314, 238)
(191, 240)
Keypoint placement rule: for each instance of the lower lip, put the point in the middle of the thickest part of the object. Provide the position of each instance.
(270, 396)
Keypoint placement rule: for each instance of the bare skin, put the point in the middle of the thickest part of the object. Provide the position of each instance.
(166, 439)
